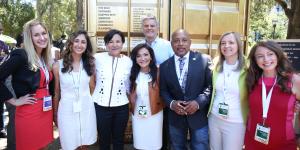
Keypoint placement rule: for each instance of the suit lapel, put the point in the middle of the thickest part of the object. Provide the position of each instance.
(190, 75)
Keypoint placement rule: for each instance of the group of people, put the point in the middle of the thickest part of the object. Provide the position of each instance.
(220, 104)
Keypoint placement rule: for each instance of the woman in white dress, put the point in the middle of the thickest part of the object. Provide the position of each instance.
(146, 104)
(73, 105)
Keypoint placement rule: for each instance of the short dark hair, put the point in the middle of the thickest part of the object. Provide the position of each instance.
(110, 34)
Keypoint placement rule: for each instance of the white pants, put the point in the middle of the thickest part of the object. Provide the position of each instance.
(224, 135)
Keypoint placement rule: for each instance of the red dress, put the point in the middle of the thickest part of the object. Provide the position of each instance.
(34, 128)
(280, 119)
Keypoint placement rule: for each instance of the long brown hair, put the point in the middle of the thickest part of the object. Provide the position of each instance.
(135, 69)
(283, 68)
(87, 56)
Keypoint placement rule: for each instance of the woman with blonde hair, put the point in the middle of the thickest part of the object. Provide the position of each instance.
(228, 108)
(31, 75)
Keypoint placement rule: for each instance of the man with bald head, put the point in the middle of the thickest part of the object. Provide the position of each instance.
(185, 86)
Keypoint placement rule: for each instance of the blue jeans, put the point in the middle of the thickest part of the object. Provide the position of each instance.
(111, 125)
(198, 138)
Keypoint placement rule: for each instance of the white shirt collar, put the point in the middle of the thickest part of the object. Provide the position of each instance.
(187, 55)
(153, 42)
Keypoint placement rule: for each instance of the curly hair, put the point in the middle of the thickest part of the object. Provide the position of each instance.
(87, 56)
(283, 68)
(135, 69)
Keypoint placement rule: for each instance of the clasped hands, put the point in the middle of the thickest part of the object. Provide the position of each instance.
(184, 107)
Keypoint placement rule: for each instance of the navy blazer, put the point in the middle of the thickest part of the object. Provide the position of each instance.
(198, 87)
(24, 80)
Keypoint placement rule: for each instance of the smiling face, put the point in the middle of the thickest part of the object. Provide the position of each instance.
(266, 60)
(115, 45)
(79, 44)
(150, 29)
(229, 47)
(143, 59)
(39, 37)
(181, 42)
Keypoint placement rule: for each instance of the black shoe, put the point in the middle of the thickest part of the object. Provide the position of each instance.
(3, 134)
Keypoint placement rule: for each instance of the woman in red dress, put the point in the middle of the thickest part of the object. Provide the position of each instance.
(31, 75)
(271, 99)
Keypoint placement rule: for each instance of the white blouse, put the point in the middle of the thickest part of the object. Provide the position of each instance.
(227, 90)
(112, 80)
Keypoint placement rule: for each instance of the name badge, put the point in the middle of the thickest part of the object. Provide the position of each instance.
(142, 111)
(223, 110)
(77, 106)
(47, 103)
(262, 134)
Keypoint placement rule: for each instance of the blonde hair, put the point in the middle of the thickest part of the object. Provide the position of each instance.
(33, 59)
(220, 56)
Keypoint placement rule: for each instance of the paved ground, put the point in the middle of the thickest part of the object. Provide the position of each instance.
(55, 145)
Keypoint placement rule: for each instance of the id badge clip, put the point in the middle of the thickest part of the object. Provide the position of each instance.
(47, 103)
(223, 110)
(262, 134)
(142, 111)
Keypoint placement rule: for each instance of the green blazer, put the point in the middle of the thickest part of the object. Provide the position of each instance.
(242, 87)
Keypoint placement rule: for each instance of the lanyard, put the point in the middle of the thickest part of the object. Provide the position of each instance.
(44, 68)
(143, 80)
(266, 99)
(225, 87)
(76, 82)
(227, 74)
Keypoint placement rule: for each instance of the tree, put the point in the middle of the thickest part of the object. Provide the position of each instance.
(293, 15)
(79, 13)
(14, 14)
(260, 27)
(59, 16)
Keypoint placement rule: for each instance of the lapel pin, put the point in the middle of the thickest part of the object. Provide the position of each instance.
(194, 58)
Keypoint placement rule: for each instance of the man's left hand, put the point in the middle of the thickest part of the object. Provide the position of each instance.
(191, 107)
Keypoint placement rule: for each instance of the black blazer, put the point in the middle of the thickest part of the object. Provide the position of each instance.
(24, 80)
(198, 87)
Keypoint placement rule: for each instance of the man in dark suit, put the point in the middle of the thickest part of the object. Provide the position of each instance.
(185, 85)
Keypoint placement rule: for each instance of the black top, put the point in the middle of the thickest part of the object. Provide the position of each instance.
(24, 80)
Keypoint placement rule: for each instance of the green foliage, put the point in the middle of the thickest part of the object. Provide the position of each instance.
(13, 15)
(59, 16)
(261, 16)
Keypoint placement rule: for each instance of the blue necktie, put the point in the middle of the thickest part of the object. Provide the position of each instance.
(181, 66)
